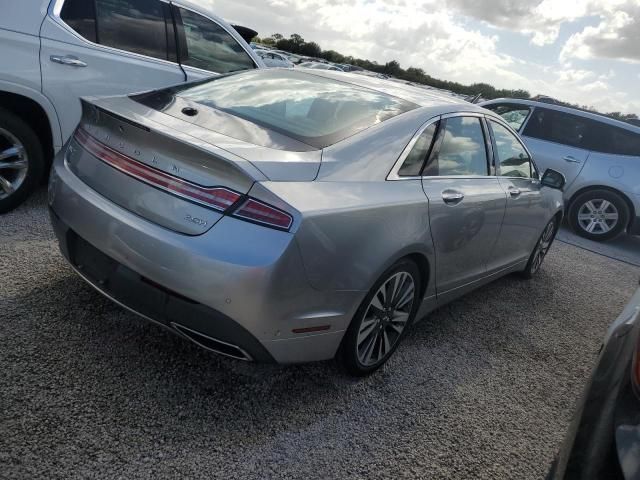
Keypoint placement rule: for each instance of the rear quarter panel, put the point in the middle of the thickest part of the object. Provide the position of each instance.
(619, 172)
(352, 231)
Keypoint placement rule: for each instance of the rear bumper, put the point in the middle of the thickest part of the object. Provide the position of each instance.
(239, 283)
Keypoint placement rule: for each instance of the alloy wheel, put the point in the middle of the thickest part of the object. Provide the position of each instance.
(598, 216)
(544, 244)
(385, 319)
(14, 163)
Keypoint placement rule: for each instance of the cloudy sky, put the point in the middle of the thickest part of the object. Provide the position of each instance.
(581, 51)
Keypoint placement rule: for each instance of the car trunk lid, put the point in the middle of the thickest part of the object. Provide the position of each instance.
(165, 176)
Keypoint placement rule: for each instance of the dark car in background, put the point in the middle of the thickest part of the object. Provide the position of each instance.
(604, 438)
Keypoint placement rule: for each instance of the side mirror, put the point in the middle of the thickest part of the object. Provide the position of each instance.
(553, 179)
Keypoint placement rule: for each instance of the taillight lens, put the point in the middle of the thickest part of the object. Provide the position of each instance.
(220, 198)
(262, 213)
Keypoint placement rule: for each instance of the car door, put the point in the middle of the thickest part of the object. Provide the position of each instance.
(466, 202)
(527, 211)
(206, 47)
(557, 140)
(106, 47)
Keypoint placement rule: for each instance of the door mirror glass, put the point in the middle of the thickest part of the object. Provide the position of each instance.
(553, 179)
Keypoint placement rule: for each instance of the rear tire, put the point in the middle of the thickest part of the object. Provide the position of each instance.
(382, 319)
(541, 249)
(599, 215)
(22, 164)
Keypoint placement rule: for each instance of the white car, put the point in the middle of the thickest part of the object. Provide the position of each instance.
(273, 59)
(599, 157)
(57, 51)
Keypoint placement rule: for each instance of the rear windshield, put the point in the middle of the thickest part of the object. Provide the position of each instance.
(309, 108)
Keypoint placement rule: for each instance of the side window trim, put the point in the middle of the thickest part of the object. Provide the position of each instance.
(181, 39)
(54, 12)
(532, 109)
(488, 140)
(393, 174)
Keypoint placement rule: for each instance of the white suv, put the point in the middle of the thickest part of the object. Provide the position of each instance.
(599, 157)
(56, 51)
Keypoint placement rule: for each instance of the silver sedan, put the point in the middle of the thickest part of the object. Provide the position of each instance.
(291, 216)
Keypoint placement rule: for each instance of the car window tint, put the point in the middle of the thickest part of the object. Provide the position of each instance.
(511, 157)
(81, 16)
(558, 127)
(208, 46)
(605, 138)
(514, 115)
(418, 154)
(310, 108)
(462, 151)
(133, 25)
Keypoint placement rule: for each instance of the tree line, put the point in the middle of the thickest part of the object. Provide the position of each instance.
(297, 45)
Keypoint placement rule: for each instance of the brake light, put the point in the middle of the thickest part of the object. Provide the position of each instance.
(262, 213)
(219, 198)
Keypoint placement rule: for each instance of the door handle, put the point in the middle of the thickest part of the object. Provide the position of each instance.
(514, 192)
(452, 197)
(571, 159)
(68, 60)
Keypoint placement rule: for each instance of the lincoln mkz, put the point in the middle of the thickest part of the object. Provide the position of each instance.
(291, 216)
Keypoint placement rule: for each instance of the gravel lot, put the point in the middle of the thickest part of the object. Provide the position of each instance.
(483, 388)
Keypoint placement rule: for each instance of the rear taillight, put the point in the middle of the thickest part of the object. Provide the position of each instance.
(259, 212)
(218, 198)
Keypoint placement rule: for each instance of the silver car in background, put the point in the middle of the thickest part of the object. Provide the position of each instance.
(599, 156)
(292, 216)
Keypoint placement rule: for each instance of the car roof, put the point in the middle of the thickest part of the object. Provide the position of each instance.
(419, 96)
(574, 111)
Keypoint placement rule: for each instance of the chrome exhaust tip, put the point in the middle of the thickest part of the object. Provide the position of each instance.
(212, 344)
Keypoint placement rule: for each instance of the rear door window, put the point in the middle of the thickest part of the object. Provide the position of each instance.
(613, 140)
(512, 158)
(136, 26)
(558, 127)
(462, 149)
(206, 45)
(80, 15)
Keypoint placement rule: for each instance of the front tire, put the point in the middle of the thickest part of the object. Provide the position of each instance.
(599, 215)
(22, 163)
(541, 249)
(382, 319)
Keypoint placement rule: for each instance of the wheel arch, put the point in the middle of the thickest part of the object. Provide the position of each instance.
(36, 110)
(624, 196)
(417, 256)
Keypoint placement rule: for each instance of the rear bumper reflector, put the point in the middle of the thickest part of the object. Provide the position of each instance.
(319, 328)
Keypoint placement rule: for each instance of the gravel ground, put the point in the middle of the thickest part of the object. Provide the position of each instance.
(483, 388)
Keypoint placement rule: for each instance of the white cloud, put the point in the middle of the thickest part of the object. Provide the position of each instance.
(437, 36)
(539, 19)
(617, 36)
